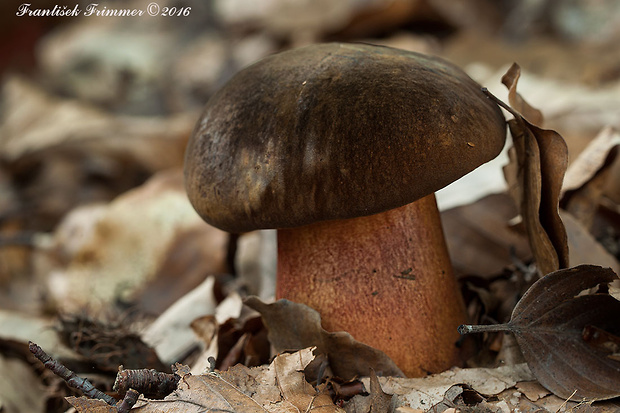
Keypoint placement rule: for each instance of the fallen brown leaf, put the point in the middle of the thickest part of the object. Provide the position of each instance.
(589, 175)
(83, 404)
(538, 202)
(294, 326)
(202, 393)
(590, 161)
(423, 393)
(516, 101)
(123, 246)
(281, 386)
(15, 396)
(36, 120)
(549, 323)
(175, 332)
(480, 237)
(376, 401)
(293, 386)
(584, 248)
(535, 173)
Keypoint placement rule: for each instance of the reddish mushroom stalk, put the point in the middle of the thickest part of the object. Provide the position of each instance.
(385, 278)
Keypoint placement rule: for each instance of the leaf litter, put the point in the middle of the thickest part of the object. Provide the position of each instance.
(293, 326)
(539, 159)
(62, 140)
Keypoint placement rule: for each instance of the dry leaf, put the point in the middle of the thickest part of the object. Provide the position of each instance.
(20, 389)
(588, 176)
(480, 238)
(590, 161)
(36, 120)
(193, 255)
(60, 153)
(584, 248)
(532, 390)
(301, 22)
(281, 387)
(294, 326)
(125, 246)
(20, 327)
(293, 386)
(203, 393)
(538, 162)
(375, 402)
(171, 335)
(255, 262)
(422, 393)
(537, 199)
(516, 101)
(549, 322)
(243, 340)
(86, 405)
(576, 110)
(205, 328)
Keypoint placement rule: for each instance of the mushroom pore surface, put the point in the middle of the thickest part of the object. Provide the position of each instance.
(335, 131)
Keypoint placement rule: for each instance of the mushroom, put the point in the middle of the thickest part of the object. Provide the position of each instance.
(341, 148)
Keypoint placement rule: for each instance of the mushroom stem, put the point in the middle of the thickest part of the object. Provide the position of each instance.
(385, 278)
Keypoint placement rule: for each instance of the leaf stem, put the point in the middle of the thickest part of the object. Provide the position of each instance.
(494, 328)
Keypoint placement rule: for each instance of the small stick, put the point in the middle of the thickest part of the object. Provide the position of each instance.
(68, 376)
(130, 399)
(152, 383)
(486, 328)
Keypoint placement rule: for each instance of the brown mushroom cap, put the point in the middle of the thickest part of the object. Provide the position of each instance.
(335, 131)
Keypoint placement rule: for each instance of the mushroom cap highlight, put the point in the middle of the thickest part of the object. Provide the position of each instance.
(336, 131)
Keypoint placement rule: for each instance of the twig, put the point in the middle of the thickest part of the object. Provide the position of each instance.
(152, 383)
(485, 328)
(68, 376)
(565, 402)
(130, 399)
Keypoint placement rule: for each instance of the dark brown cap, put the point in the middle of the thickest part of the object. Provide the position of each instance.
(334, 131)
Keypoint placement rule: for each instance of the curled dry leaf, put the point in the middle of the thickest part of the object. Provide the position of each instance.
(296, 391)
(584, 248)
(516, 101)
(294, 326)
(591, 160)
(538, 161)
(588, 176)
(549, 323)
(376, 401)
